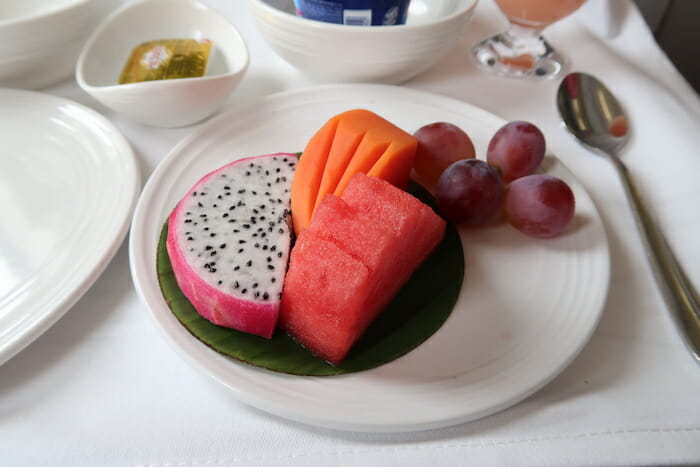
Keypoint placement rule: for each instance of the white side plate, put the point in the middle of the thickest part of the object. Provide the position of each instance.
(526, 309)
(68, 184)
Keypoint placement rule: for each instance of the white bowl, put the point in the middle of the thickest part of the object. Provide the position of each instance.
(341, 53)
(41, 39)
(169, 102)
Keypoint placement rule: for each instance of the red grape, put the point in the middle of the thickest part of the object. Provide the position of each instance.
(539, 205)
(469, 192)
(439, 145)
(516, 149)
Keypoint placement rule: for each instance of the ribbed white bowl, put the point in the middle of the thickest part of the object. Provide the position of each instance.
(386, 54)
(41, 39)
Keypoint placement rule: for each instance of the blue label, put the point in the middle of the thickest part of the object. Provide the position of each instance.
(354, 12)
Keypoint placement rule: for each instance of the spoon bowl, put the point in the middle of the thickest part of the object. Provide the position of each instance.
(592, 114)
(596, 118)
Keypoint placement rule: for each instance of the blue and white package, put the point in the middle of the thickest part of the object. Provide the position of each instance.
(354, 12)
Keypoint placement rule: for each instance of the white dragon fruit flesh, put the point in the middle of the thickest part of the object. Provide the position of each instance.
(229, 240)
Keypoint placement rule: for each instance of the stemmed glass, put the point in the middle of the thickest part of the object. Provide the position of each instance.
(521, 51)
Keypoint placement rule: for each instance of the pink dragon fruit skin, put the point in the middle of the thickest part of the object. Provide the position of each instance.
(216, 306)
(229, 240)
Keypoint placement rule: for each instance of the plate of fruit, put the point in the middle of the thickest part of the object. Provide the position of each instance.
(413, 263)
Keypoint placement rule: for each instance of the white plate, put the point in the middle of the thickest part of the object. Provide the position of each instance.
(68, 184)
(526, 309)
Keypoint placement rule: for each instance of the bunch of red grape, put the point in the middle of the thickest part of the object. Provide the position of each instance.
(472, 192)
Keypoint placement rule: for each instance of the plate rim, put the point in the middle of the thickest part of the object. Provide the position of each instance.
(211, 364)
(89, 274)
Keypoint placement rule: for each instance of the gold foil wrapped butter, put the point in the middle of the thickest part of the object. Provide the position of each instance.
(166, 59)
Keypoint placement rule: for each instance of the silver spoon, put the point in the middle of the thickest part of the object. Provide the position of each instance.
(597, 120)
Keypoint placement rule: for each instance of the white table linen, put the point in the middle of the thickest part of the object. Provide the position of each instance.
(103, 387)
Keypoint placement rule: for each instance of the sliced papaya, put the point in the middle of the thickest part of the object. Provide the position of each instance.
(307, 180)
(348, 136)
(394, 165)
(354, 141)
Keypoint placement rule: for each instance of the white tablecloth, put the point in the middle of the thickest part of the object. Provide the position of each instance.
(102, 387)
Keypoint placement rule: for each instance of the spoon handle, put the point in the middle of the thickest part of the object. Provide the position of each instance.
(678, 291)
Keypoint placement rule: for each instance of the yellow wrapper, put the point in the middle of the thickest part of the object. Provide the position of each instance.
(166, 59)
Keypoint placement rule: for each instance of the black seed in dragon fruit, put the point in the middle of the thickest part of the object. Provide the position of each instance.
(229, 240)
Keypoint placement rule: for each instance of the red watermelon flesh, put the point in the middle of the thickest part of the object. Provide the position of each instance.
(351, 261)
(354, 232)
(373, 243)
(323, 301)
(418, 228)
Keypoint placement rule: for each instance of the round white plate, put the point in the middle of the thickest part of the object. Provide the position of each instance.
(68, 184)
(527, 306)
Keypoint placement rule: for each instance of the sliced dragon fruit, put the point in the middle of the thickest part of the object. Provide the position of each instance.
(229, 240)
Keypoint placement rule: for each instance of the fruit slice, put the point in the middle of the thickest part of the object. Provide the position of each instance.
(323, 302)
(351, 138)
(305, 186)
(351, 261)
(372, 243)
(229, 239)
(351, 230)
(415, 224)
(354, 141)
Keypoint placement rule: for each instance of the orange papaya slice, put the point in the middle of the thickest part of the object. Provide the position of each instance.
(354, 141)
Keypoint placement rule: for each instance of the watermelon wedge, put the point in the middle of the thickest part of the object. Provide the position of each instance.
(358, 251)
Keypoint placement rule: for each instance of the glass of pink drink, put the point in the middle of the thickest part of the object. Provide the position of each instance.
(521, 51)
